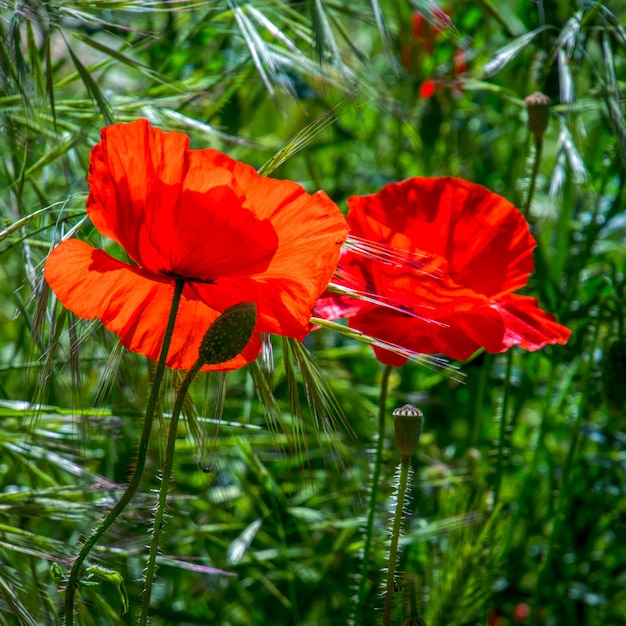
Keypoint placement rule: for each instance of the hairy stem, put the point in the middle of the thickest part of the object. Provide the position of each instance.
(142, 451)
(502, 442)
(405, 464)
(165, 482)
(369, 527)
(533, 177)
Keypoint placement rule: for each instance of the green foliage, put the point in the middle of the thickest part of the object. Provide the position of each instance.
(518, 496)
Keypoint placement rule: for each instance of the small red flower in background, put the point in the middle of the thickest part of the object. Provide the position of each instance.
(427, 89)
(431, 86)
(196, 215)
(426, 32)
(418, 37)
(521, 613)
(478, 251)
(494, 619)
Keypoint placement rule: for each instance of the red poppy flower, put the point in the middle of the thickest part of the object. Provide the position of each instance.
(455, 253)
(426, 27)
(196, 215)
(427, 89)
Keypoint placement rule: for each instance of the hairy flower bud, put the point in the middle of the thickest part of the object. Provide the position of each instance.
(229, 334)
(408, 427)
(538, 106)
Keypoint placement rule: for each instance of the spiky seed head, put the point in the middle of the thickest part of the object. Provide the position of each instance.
(229, 334)
(408, 428)
(538, 106)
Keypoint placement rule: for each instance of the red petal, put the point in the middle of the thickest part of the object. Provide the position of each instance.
(456, 333)
(135, 172)
(310, 230)
(484, 238)
(427, 89)
(215, 220)
(394, 281)
(459, 331)
(332, 306)
(133, 304)
(283, 305)
(213, 236)
(167, 205)
(527, 325)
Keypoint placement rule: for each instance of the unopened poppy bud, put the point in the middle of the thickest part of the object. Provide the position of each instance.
(538, 106)
(229, 334)
(408, 426)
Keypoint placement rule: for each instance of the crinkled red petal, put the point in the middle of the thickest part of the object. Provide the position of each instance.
(456, 333)
(135, 305)
(527, 325)
(459, 331)
(310, 232)
(168, 205)
(482, 236)
(199, 215)
(136, 172)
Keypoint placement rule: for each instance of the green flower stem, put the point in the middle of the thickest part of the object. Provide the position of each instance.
(369, 527)
(533, 176)
(565, 494)
(142, 451)
(405, 464)
(165, 482)
(503, 428)
(527, 493)
(225, 338)
(478, 391)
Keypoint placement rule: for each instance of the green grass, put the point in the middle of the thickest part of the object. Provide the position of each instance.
(518, 492)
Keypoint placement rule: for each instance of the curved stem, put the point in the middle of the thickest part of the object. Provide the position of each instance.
(142, 451)
(405, 464)
(165, 482)
(369, 527)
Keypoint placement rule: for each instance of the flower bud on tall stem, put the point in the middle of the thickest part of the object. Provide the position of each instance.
(408, 427)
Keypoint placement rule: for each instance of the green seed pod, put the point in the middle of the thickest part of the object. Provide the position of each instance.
(229, 334)
(408, 426)
(538, 106)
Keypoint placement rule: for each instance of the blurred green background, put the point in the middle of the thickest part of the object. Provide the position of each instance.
(518, 510)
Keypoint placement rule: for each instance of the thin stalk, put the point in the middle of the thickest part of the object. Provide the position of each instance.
(533, 177)
(225, 338)
(165, 482)
(142, 451)
(395, 539)
(503, 427)
(479, 394)
(565, 493)
(285, 556)
(527, 492)
(369, 527)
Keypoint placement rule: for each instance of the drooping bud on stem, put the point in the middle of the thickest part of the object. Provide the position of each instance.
(408, 428)
(226, 338)
(538, 106)
(229, 334)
